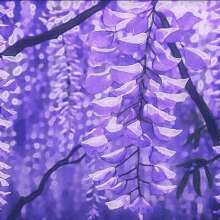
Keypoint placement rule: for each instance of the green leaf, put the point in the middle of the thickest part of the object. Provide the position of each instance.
(190, 138)
(209, 177)
(194, 135)
(186, 165)
(182, 184)
(197, 139)
(198, 160)
(197, 181)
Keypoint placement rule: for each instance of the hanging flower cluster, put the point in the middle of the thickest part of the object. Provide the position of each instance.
(124, 76)
(142, 77)
(7, 85)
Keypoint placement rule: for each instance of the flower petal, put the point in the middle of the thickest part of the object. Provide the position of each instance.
(134, 130)
(97, 82)
(106, 106)
(94, 144)
(165, 62)
(123, 74)
(112, 18)
(169, 174)
(156, 115)
(102, 174)
(116, 156)
(187, 21)
(4, 74)
(160, 154)
(107, 185)
(196, 59)
(123, 200)
(119, 188)
(144, 141)
(157, 189)
(164, 133)
(170, 35)
(101, 39)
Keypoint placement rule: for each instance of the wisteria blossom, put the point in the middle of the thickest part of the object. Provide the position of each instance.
(109, 110)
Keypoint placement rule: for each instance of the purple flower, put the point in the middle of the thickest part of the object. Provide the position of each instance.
(141, 205)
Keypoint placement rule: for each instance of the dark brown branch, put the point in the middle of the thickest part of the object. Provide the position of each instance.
(54, 32)
(199, 101)
(24, 200)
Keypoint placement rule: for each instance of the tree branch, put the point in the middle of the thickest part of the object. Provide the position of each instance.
(32, 41)
(24, 200)
(54, 32)
(199, 101)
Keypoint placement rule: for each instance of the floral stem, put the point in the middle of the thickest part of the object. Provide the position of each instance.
(138, 178)
(130, 171)
(142, 86)
(131, 106)
(126, 159)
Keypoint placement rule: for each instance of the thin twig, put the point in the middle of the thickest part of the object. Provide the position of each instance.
(145, 181)
(213, 159)
(132, 190)
(152, 71)
(146, 165)
(131, 106)
(131, 179)
(78, 160)
(24, 200)
(130, 171)
(127, 122)
(127, 159)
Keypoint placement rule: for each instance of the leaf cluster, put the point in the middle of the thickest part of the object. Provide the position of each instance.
(196, 176)
(196, 135)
